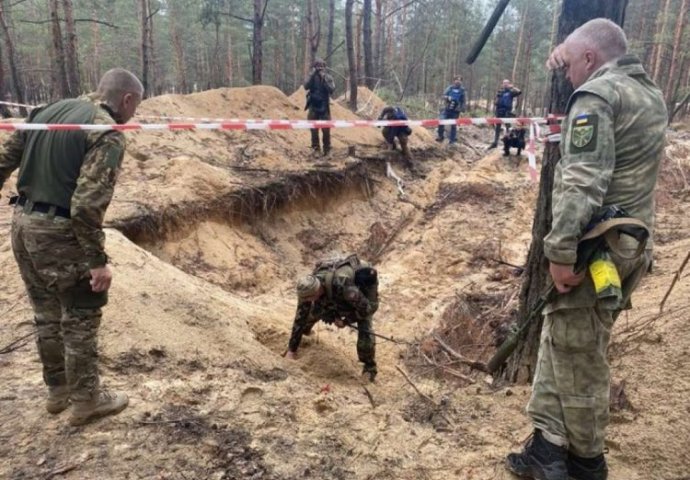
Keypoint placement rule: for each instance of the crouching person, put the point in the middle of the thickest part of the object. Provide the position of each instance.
(515, 138)
(344, 292)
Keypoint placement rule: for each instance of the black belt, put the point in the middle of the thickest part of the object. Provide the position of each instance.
(41, 207)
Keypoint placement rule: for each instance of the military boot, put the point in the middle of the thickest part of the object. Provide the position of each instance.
(370, 369)
(581, 468)
(101, 405)
(539, 460)
(58, 399)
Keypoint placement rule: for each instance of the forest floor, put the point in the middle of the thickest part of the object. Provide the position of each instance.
(208, 232)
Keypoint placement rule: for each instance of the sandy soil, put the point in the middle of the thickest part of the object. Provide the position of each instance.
(210, 231)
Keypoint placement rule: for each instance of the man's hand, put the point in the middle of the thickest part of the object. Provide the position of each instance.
(101, 278)
(557, 59)
(291, 355)
(564, 278)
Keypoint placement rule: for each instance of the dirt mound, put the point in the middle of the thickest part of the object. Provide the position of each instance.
(201, 309)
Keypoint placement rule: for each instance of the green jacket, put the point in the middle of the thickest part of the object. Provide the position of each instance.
(71, 169)
(611, 148)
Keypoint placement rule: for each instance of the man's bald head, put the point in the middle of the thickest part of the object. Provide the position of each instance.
(590, 46)
(600, 35)
(122, 91)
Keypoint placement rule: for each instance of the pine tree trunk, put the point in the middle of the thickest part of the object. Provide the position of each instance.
(351, 63)
(379, 31)
(677, 56)
(4, 111)
(17, 79)
(61, 85)
(369, 80)
(660, 42)
(145, 53)
(521, 35)
(96, 52)
(71, 50)
(358, 47)
(331, 27)
(178, 48)
(229, 70)
(257, 41)
(520, 367)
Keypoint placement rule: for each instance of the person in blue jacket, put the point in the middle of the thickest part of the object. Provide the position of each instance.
(504, 106)
(454, 98)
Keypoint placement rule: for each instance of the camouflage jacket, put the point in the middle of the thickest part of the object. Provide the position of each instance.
(345, 301)
(94, 185)
(611, 148)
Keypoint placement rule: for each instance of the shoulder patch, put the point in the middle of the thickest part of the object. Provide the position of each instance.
(113, 156)
(583, 133)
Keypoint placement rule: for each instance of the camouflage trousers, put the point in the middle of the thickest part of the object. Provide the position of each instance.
(67, 314)
(366, 341)
(570, 393)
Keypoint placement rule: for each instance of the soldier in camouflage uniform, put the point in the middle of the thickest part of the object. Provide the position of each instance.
(611, 150)
(341, 292)
(65, 183)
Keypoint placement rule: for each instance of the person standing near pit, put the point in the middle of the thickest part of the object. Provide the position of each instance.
(454, 104)
(65, 184)
(504, 106)
(319, 86)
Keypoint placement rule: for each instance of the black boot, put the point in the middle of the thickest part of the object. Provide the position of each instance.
(581, 468)
(370, 370)
(539, 460)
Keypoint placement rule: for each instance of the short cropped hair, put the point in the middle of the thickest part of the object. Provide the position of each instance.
(601, 35)
(116, 83)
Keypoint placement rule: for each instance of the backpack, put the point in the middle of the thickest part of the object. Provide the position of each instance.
(365, 275)
(505, 101)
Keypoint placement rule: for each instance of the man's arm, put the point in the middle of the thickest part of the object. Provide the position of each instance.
(582, 175)
(330, 83)
(11, 155)
(309, 80)
(299, 325)
(93, 193)
(516, 92)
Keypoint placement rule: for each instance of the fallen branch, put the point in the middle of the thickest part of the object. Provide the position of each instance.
(673, 282)
(369, 396)
(398, 228)
(425, 397)
(416, 389)
(461, 358)
(17, 344)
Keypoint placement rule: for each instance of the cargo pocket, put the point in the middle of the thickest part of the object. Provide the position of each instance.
(580, 420)
(574, 330)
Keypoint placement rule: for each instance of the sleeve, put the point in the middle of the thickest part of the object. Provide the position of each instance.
(446, 93)
(330, 84)
(93, 193)
(362, 305)
(301, 319)
(582, 176)
(11, 155)
(516, 92)
(461, 105)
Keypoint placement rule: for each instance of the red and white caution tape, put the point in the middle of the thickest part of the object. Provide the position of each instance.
(274, 124)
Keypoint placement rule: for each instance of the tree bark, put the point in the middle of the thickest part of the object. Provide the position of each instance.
(520, 367)
(145, 49)
(331, 28)
(180, 66)
(60, 83)
(351, 63)
(17, 79)
(677, 57)
(71, 49)
(313, 30)
(369, 80)
(660, 45)
(257, 41)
